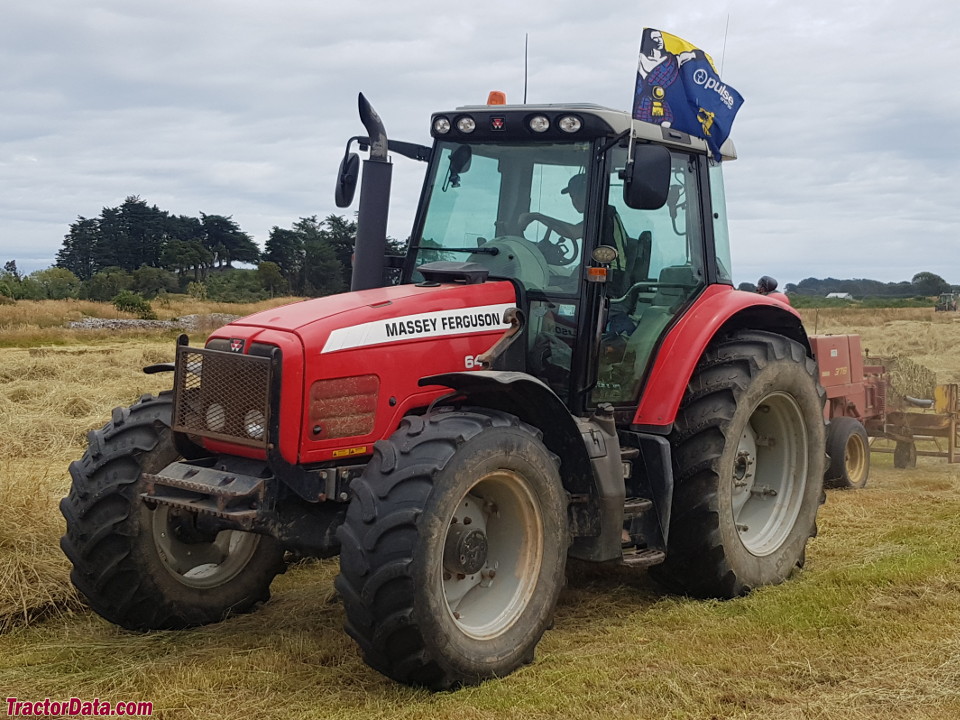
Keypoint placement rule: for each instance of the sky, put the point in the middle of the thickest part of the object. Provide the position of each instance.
(849, 156)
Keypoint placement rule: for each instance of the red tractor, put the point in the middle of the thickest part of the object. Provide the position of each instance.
(564, 370)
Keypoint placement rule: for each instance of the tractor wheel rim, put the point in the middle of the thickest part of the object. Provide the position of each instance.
(201, 565)
(770, 473)
(505, 546)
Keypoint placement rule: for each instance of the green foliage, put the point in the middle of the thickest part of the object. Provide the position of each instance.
(10, 270)
(106, 284)
(922, 284)
(151, 281)
(314, 256)
(235, 286)
(29, 289)
(928, 283)
(229, 244)
(131, 302)
(56, 283)
(136, 234)
(197, 290)
(271, 279)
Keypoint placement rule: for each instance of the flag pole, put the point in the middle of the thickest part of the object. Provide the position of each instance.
(723, 53)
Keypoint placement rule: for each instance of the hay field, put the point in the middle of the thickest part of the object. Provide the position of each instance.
(870, 629)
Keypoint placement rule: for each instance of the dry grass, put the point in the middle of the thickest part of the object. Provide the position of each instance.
(31, 323)
(870, 630)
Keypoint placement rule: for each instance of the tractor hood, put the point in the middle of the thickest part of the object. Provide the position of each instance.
(352, 363)
(388, 315)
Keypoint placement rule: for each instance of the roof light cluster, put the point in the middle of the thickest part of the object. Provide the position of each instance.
(537, 123)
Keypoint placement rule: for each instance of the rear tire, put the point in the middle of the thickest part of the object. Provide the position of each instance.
(849, 449)
(143, 569)
(905, 455)
(748, 464)
(429, 601)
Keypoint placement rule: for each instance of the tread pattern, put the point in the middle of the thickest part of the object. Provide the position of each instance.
(380, 538)
(110, 552)
(697, 562)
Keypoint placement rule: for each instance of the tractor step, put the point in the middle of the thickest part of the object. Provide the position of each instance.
(636, 558)
(226, 495)
(635, 507)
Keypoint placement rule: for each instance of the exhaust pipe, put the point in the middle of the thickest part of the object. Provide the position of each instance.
(371, 244)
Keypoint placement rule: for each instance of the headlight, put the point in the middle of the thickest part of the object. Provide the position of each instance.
(441, 126)
(539, 123)
(466, 124)
(216, 417)
(255, 424)
(570, 123)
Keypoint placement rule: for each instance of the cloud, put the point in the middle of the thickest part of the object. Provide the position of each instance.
(847, 164)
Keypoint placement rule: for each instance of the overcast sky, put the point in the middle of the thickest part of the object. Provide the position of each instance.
(847, 140)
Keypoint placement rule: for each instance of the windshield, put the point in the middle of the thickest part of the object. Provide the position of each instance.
(516, 209)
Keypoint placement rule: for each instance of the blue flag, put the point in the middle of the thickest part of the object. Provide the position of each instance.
(678, 86)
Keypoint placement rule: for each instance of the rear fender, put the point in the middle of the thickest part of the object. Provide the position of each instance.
(719, 310)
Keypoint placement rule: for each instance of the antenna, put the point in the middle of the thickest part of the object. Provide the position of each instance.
(526, 46)
(723, 53)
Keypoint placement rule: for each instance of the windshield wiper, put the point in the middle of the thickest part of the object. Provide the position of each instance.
(482, 250)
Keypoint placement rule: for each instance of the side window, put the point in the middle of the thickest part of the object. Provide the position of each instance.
(721, 235)
(661, 270)
(673, 233)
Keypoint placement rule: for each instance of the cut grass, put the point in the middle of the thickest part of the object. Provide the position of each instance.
(869, 630)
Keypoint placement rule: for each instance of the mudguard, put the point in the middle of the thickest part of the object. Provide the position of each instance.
(717, 310)
(533, 402)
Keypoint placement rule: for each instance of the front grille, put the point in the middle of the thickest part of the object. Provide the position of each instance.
(223, 396)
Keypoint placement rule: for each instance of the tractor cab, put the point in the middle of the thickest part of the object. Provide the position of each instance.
(607, 227)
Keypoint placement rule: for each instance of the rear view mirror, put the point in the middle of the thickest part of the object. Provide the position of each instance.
(648, 178)
(347, 180)
(459, 163)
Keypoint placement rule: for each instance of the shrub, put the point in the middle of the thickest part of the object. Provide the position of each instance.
(197, 290)
(131, 302)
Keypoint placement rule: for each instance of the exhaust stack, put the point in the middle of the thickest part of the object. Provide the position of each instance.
(371, 244)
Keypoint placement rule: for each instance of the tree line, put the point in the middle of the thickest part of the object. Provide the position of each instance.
(139, 248)
(923, 284)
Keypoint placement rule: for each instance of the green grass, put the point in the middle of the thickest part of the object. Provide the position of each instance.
(870, 629)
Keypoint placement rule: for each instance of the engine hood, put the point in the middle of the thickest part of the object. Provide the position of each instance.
(387, 315)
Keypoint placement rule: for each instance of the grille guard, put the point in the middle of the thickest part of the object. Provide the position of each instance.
(222, 395)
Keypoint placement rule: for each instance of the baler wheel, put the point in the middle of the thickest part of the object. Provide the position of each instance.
(849, 451)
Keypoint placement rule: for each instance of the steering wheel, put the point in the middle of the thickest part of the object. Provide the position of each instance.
(562, 251)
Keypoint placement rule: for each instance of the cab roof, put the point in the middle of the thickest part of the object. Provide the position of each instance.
(597, 121)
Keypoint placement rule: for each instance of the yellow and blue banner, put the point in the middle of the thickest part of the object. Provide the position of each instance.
(678, 86)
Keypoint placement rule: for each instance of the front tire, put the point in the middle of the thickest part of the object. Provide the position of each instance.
(748, 464)
(453, 549)
(147, 569)
(849, 449)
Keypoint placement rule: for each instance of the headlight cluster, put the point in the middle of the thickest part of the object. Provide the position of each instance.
(537, 123)
(254, 422)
